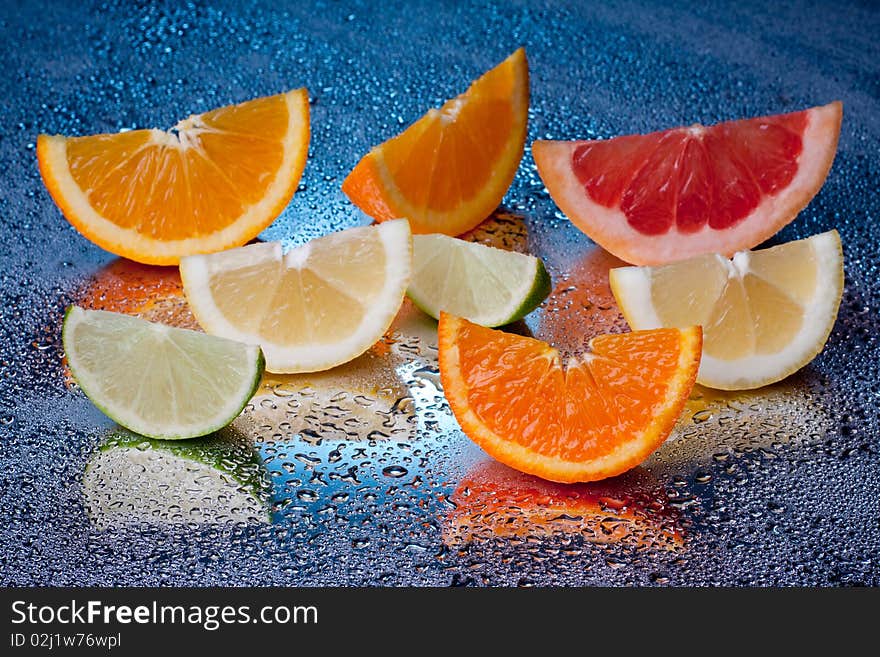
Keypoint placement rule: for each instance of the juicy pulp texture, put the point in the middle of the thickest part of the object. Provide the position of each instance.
(691, 177)
(599, 415)
(210, 170)
(317, 306)
(486, 285)
(450, 169)
(215, 180)
(288, 295)
(765, 313)
(744, 305)
(684, 192)
(156, 380)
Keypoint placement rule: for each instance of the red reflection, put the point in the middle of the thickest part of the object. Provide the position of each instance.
(581, 304)
(494, 501)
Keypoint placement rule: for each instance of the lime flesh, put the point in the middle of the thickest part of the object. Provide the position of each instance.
(156, 380)
(483, 284)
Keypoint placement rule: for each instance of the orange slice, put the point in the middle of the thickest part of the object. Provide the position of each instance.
(670, 195)
(450, 169)
(601, 414)
(212, 182)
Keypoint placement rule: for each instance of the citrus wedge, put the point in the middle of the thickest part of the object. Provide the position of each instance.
(599, 415)
(765, 314)
(313, 308)
(656, 198)
(212, 182)
(486, 285)
(156, 380)
(450, 169)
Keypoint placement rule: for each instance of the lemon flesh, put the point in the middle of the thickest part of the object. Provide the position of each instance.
(765, 314)
(312, 308)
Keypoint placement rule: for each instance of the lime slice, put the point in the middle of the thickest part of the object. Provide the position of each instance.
(217, 480)
(486, 285)
(156, 380)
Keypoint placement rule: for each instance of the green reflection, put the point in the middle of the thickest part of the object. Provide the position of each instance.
(217, 479)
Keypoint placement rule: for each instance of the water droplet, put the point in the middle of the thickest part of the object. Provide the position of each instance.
(395, 471)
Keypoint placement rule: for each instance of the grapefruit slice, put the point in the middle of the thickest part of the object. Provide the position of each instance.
(669, 195)
(601, 414)
(450, 169)
(212, 182)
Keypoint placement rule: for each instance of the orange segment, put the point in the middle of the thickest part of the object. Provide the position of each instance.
(599, 415)
(450, 169)
(213, 182)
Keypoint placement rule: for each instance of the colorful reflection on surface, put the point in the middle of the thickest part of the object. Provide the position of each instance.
(494, 501)
(217, 479)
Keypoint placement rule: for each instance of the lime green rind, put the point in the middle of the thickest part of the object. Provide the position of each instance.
(540, 290)
(147, 432)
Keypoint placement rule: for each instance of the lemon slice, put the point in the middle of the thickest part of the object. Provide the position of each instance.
(156, 380)
(765, 314)
(312, 308)
(483, 284)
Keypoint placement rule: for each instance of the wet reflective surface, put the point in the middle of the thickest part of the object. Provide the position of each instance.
(360, 475)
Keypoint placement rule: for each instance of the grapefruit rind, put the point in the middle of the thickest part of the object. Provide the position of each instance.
(129, 243)
(631, 287)
(631, 451)
(610, 229)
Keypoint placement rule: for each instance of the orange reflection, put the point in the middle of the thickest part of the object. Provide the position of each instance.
(503, 230)
(494, 501)
(147, 291)
(154, 293)
(581, 304)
